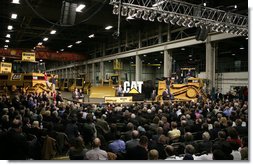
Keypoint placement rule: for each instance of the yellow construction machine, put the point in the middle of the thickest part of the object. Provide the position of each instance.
(189, 91)
(26, 75)
(107, 88)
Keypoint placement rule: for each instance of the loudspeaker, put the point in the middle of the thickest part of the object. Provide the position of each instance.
(201, 34)
(68, 13)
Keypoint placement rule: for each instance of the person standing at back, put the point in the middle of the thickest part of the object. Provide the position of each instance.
(96, 153)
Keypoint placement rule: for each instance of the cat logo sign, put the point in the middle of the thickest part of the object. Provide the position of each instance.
(133, 87)
(134, 91)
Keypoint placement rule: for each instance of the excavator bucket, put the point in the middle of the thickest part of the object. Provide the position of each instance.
(101, 91)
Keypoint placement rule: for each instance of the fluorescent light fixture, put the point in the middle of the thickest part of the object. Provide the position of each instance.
(14, 16)
(40, 43)
(92, 36)
(62, 50)
(108, 27)
(158, 3)
(15, 1)
(45, 39)
(8, 36)
(240, 47)
(7, 40)
(70, 46)
(78, 42)
(9, 27)
(53, 32)
(80, 7)
(6, 46)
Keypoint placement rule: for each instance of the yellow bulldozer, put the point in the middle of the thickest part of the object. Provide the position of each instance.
(189, 91)
(107, 88)
(25, 75)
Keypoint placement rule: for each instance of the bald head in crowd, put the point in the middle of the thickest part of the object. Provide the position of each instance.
(96, 142)
(135, 134)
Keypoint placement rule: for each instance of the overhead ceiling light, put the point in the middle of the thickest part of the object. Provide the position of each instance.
(108, 27)
(53, 32)
(45, 39)
(9, 27)
(240, 47)
(92, 36)
(8, 36)
(190, 55)
(3, 58)
(144, 55)
(233, 54)
(6, 46)
(191, 24)
(115, 9)
(246, 38)
(182, 48)
(161, 62)
(174, 20)
(5, 49)
(78, 42)
(15, 1)
(70, 46)
(146, 15)
(158, 3)
(14, 16)
(235, 6)
(40, 43)
(204, 4)
(62, 50)
(190, 59)
(131, 12)
(138, 13)
(80, 7)
(161, 17)
(152, 16)
(161, 52)
(180, 21)
(124, 11)
(41, 60)
(7, 40)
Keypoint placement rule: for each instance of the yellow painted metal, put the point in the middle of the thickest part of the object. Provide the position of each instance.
(185, 92)
(102, 91)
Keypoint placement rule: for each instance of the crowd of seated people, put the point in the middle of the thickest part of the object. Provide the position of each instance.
(34, 127)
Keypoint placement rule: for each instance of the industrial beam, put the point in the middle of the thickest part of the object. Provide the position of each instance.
(154, 48)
